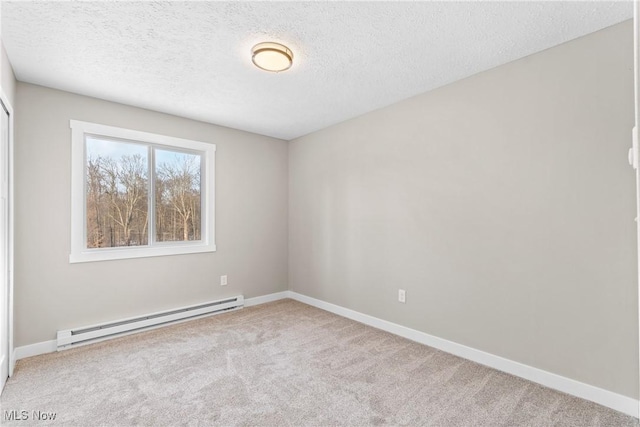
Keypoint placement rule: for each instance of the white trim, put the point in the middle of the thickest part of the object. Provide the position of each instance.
(10, 237)
(135, 135)
(635, 143)
(603, 397)
(249, 302)
(79, 251)
(139, 252)
(35, 349)
(3, 380)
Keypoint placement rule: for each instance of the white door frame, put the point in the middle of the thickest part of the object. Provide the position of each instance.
(634, 154)
(9, 108)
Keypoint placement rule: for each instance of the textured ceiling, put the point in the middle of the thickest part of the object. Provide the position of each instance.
(192, 59)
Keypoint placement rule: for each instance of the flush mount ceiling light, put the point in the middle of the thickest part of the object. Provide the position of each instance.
(271, 56)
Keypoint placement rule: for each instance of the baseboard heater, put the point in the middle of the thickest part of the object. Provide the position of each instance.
(90, 334)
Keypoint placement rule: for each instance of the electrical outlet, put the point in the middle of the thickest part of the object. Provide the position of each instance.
(402, 295)
(223, 280)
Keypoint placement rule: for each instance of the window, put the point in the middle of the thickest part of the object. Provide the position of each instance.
(137, 194)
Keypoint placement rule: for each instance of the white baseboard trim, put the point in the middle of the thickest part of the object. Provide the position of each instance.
(603, 397)
(35, 349)
(248, 302)
(598, 395)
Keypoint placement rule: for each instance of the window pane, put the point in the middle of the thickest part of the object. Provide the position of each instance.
(178, 196)
(116, 193)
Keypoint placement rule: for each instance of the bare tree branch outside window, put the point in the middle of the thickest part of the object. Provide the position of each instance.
(178, 196)
(117, 199)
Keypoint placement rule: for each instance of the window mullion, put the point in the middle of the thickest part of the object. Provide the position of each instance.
(151, 210)
(203, 198)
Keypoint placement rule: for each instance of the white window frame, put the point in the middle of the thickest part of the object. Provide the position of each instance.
(79, 250)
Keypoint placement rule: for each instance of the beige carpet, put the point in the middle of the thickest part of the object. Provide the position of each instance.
(281, 364)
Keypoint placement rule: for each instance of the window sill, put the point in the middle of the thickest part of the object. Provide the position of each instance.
(93, 255)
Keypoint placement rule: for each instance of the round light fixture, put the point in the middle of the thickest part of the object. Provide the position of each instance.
(271, 56)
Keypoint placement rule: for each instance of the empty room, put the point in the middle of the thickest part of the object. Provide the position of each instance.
(319, 213)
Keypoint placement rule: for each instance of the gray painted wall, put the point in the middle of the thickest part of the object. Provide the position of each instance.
(7, 78)
(503, 204)
(51, 294)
